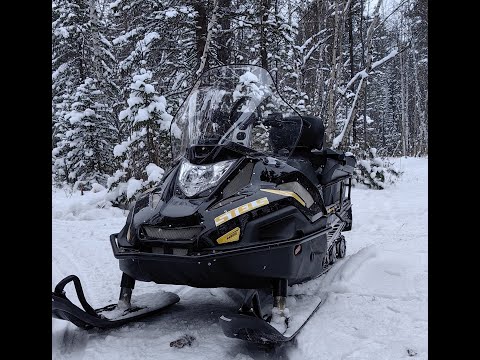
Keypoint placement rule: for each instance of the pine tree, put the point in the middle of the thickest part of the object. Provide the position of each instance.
(146, 151)
(82, 62)
(156, 35)
(84, 150)
(69, 20)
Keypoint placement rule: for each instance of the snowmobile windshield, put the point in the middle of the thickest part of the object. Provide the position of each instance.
(236, 104)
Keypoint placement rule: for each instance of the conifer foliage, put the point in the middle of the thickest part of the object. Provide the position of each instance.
(373, 171)
(146, 151)
(84, 150)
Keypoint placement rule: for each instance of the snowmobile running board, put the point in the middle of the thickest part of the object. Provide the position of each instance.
(106, 317)
(254, 329)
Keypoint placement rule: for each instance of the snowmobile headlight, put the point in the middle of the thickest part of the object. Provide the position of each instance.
(194, 179)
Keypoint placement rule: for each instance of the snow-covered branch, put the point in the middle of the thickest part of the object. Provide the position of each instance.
(363, 74)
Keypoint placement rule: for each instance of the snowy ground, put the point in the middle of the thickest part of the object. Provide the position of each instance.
(376, 306)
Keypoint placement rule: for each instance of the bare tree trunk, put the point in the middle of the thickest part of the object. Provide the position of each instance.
(362, 43)
(211, 24)
(265, 7)
(383, 130)
(407, 118)
(320, 96)
(402, 104)
(200, 28)
(331, 118)
(81, 60)
(362, 39)
(339, 61)
(341, 139)
(336, 70)
(424, 126)
(365, 135)
(352, 67)
(225, 41)
(418, 102)
(95, 39)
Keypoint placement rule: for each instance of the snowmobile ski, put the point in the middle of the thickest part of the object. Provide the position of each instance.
(257, 330)
(109, 316)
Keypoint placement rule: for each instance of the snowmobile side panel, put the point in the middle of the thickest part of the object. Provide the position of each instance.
(109, 316)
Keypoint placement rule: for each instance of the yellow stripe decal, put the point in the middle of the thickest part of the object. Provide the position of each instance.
(286, 193)
(231, 236)
(229, 215)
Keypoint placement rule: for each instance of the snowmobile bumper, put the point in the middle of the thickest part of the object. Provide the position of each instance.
(249, 267)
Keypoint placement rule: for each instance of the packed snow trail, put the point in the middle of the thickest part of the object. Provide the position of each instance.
(376, 306)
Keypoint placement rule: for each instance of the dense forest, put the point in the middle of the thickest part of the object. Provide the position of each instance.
(120, 70)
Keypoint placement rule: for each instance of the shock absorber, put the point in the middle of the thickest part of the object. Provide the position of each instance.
(280, 288)
(126, 287)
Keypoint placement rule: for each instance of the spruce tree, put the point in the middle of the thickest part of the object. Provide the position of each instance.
(84, 151)
(146, 151)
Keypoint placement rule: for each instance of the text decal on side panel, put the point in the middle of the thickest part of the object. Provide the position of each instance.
(229, 215)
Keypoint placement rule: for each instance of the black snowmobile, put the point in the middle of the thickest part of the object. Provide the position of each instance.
(253, 201)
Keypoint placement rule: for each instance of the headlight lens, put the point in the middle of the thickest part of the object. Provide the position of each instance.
(194, 179)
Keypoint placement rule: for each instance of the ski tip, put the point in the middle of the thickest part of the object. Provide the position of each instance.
(225, 318)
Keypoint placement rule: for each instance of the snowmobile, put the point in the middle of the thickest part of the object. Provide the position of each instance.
(253, 201)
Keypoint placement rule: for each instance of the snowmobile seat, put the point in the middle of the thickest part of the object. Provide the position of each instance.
(321, 166)
(336, 166)
(311, 137)
(313, 133)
